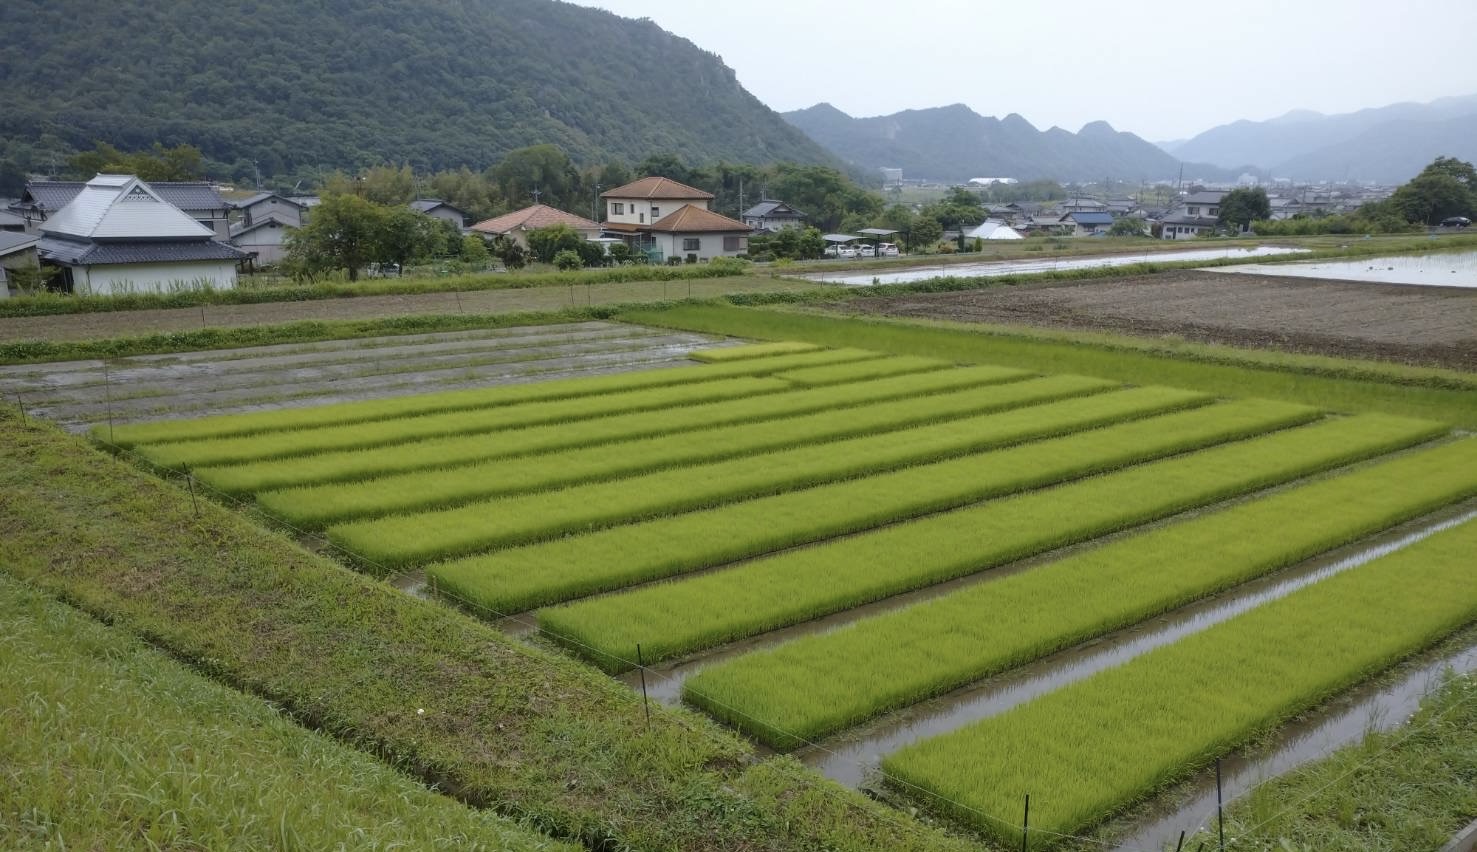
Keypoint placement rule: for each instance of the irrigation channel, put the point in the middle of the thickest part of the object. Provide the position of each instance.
(1450, 269)
(997, 268)
(853, 757)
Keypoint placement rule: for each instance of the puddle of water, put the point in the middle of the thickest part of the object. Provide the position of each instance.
(995, 269)
(854, 757)
(1454, 269)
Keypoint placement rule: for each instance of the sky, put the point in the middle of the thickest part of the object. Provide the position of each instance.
(1163, 70)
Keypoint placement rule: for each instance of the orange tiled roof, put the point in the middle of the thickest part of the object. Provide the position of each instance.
(529, 218)
(689, 219)
(656, 187)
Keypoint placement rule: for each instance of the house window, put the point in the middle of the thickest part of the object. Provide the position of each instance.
(733, 243)
(1193, 211)
(656, 213)
(689, 243)
(1214, 211)
(617, 208)
(641, 217)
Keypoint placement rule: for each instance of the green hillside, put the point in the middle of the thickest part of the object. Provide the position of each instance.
(344, 84)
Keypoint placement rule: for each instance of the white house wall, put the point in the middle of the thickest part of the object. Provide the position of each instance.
(709, 245)
(106, 280)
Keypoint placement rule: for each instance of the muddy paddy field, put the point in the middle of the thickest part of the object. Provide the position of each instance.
(1429, 326)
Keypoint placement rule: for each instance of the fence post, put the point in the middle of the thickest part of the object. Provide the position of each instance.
(1220, 814)
(20, 403)
(1180, 845)
(1026, 825)
(108, 393)
(645, 700)
(194, 501)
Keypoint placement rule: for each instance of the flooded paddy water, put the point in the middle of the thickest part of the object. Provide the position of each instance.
(997, 268)
(1438, 269)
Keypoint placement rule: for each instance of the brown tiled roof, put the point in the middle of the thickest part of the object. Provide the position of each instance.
(656, 187)
(689, 219)
(529, 218)
(624, 227)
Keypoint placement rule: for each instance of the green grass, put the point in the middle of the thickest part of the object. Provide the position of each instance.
(379, 433)
(524, 577)
(539, 737)
(1404, 789)
(592, 461)
(1092, 747)
(346, 413)
(752, 350)
(817, 685)
(880, 368)
(415, 538)
(353, 465)
(708, 610)
(110, 744)
(1348, 386)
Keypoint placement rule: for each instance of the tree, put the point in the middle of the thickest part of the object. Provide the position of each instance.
(792, 243)
(542, 168)
(1447, 187)
(1244, 205)
(1127, 226)
(182, 162)
(926, 232)
(591, 254)
(960, 207)
(474, 251)
(343, 233)
(405, 236)
(544, 243)
(567, 259)
(513, 255)
(620, 254)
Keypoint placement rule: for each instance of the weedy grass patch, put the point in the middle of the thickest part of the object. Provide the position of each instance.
(817, 685)
(354, 465)
(563, 569)
(593, 461)
(402, 540)
(707, 610)
(1087, 749)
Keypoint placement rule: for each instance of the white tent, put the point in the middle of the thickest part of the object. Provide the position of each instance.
(991, 230)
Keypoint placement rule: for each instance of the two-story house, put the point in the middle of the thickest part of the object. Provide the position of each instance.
(199, 200)
(668, 219)
(770, 215)
(1195, 214)
(263, 223)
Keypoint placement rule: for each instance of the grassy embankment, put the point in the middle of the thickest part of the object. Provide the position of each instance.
(1335, 384)
(110, 744)
(529, 733)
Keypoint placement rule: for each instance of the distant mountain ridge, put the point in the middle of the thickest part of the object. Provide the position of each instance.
(344, 83)
(1389, 144)
(954, 143)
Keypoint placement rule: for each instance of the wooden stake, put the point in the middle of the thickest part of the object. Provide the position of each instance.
(1026, 825)
(1220, 814)
(645, 700)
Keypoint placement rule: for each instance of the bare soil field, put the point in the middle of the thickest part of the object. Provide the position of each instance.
(1430, 326)
(78, 394)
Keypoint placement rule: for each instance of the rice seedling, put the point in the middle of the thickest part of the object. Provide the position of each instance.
(1092, 747)
(567, 568)
(710, 609)
(819, 684)
(875, 369)
(752, 350)
(316, 505)
(352, 465)
(235, 425)
(423, 536)
(306, 442)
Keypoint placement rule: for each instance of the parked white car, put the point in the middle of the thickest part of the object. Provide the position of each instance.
(867, 250)
(887, 250)
(843, 251)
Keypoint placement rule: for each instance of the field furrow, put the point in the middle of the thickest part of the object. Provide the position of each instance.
(817, 685)
(435, 453)
(1090, 748)
(236, 425)
(555, 571)
(707, 610)
(315, 506)
(415, 538)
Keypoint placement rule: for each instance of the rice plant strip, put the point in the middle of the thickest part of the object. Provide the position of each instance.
(353, 465)
(234, 425)
(1092, 747)
(787, 588)
(874, 369)
(820, 684)
(726, 354)
(317, 505)
(379, 433)
(560, 570)
(410, 539)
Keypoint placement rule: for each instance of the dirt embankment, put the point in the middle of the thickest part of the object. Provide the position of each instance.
(1429, 326)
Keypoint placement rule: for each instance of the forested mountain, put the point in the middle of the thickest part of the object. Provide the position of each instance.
(1389, 144)
(954, 143)
(295, 84)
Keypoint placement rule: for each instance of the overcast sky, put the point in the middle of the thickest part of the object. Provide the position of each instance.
(1162, 70)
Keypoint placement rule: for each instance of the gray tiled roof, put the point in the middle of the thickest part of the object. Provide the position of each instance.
(426, 205)
(11, 241)
(769, 208)
(53, 195)
(173, 251)
(10, 220)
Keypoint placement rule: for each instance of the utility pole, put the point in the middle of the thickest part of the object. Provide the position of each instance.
(595, 204)
(536, 193)
(741, 197)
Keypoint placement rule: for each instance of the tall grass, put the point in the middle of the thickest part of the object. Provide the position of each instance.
(593, 461)
(239, 425)
(819, 684)
(379, 433)
(420, 537)
(554, 571)
(753, 350)
(354, 465)
(707, 610)
(1094, 746)
(111, 745)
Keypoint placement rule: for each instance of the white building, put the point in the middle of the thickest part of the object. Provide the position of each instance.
(119, 236)
(199, 200)
(992, 230)
(1195, 214)
(769, 215)
(668, 219)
